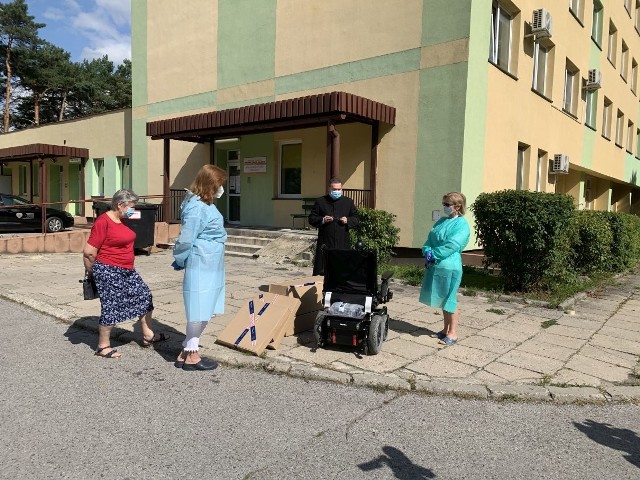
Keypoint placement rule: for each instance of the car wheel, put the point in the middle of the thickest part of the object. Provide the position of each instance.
(54, 224)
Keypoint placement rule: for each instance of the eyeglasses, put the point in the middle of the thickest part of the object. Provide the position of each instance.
(445, 204)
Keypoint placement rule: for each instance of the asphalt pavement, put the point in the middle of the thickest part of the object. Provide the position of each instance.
(68, 414)
(587, 352)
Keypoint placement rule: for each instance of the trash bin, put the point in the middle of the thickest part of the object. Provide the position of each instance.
(142, 222)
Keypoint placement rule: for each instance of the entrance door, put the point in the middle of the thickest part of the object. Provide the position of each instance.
(233, 196)
(55, 185)
(74, 187)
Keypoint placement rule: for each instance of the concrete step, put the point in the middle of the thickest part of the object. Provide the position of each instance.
(250, 232)
(241, 248)
(248, 240)
(239, 254)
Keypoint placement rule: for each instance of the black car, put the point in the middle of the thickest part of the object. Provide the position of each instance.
(18, 215)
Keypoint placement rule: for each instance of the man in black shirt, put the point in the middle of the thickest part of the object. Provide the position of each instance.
(333, 215)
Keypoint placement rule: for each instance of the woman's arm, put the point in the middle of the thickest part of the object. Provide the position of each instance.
(456, 240)
(189, 231)
(89, 258)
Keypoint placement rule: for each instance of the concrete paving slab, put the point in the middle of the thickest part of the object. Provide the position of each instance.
(547, 350)
(623, 324)
(499, 333)
(620, 345)
(468, 355)
(529, 329)
(486, 378)
(582, 323)
(591, 366)
(569, 331)
(487, 344)
(406, 348)
(627, 394)
(560, 340)
(381, 363)
(531, 361)
(454, 389)
(620, 333)
(436, 367)
(519, 392)
(613, 357)
(321, 356)
(568, 377)
(513, 374)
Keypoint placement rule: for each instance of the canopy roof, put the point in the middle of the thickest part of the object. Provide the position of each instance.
(300, 112)
(24, 153)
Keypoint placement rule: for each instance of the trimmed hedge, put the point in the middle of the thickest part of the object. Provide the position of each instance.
(539, 240)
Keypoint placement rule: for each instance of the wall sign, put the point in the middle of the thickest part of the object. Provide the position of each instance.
(255, 165)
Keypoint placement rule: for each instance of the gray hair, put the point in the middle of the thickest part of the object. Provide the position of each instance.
(122, 196)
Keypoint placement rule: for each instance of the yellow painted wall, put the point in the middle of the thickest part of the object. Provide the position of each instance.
(333, 32)
(180, 63)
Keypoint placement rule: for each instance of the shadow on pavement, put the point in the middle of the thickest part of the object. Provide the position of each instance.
(84, 331)
(399, 464)
(622, 439)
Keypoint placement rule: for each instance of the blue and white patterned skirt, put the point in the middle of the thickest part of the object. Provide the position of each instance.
(123, 294)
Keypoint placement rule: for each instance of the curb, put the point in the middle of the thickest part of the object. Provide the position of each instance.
(497, 392)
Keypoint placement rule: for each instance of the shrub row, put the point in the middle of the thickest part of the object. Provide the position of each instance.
(539, 240)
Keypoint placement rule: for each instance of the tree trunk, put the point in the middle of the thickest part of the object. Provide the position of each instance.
(7, 94)
(36, 109)
(63, 107)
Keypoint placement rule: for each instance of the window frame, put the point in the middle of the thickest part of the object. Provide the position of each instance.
(619, 128)
(124, 166)
(576, 7)
(497, 9)
(547, 76)
(612, 43)
(607, 117)
(571, 72)
(98, 167)
(634, 76)
(591, 109)
(630, 130)
(597, 24)
(281, 144)
(22, 180)
(624, 61)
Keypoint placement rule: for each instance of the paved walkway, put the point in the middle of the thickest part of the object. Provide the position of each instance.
(506, 349)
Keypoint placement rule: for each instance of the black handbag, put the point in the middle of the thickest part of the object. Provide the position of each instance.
(89, 289)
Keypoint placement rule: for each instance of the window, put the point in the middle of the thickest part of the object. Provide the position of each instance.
(501, 37)
(619, 128)
(627, 6)
(637, 22)
(98, 164)
(22, 179)
(521, 166)
(124, 165)
(571, 76)
(591, 99)
(630, 132)
(35, 178)
(577, 8)
(634, 75)
(624, 61)
(290, 178)
(596, 25)
(543, 67)
(613, 43)
(638, 143)
(606, 118)
(540, 170)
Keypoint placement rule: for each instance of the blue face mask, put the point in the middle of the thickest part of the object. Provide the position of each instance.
(335, 194)
(448, 210)
(130, 211)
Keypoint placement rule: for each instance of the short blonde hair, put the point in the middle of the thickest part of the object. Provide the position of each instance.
(457, 199)
(207, 181)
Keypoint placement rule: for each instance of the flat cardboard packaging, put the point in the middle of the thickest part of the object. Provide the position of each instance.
(308, 290)
(301, 323)
(268, 325)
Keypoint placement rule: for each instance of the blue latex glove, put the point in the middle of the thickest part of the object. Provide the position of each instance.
(176, 266)
(428, 258)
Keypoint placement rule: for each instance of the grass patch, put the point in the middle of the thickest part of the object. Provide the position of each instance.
(548, 323)
(497, 311)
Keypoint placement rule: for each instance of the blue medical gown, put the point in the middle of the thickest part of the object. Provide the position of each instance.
(200, 250)
(446, 240)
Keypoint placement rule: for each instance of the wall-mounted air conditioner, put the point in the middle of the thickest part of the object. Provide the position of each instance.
(541, 23)
(594, 79)
(560, 164)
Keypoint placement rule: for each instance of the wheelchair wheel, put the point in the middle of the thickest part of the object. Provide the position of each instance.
(317, 329)
(376, 334)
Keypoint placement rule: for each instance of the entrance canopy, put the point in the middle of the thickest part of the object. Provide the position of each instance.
(301, 112)
(25, 153)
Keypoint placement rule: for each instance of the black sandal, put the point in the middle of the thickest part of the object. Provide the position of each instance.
(109, 354)
(161, 338)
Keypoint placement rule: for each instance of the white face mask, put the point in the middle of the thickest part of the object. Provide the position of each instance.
(220, 191)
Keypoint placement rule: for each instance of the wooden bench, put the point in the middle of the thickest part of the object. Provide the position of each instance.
(307, 206)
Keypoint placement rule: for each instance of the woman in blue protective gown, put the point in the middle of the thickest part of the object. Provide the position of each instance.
(442, 250)
(200, 251)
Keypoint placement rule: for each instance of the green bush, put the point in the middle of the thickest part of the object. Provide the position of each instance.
(522, 233)
(376, 232)
(591, 240)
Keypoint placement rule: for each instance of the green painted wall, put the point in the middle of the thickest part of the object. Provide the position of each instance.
(139, 52)
(139, 156)
(246, 41)
(440, 141)
(446, 20)
(475, 106)
(111, 176)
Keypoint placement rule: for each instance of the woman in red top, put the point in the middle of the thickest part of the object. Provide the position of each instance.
(108, 257)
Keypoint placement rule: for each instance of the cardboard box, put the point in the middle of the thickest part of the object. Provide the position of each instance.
(301, 323)
(271, 313)
(308, 290)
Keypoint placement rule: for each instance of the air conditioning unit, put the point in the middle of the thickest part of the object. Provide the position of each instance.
(560, 164)
(594, 79)
(541, 23)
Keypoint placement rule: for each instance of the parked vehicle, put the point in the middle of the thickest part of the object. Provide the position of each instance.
(18, 215)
